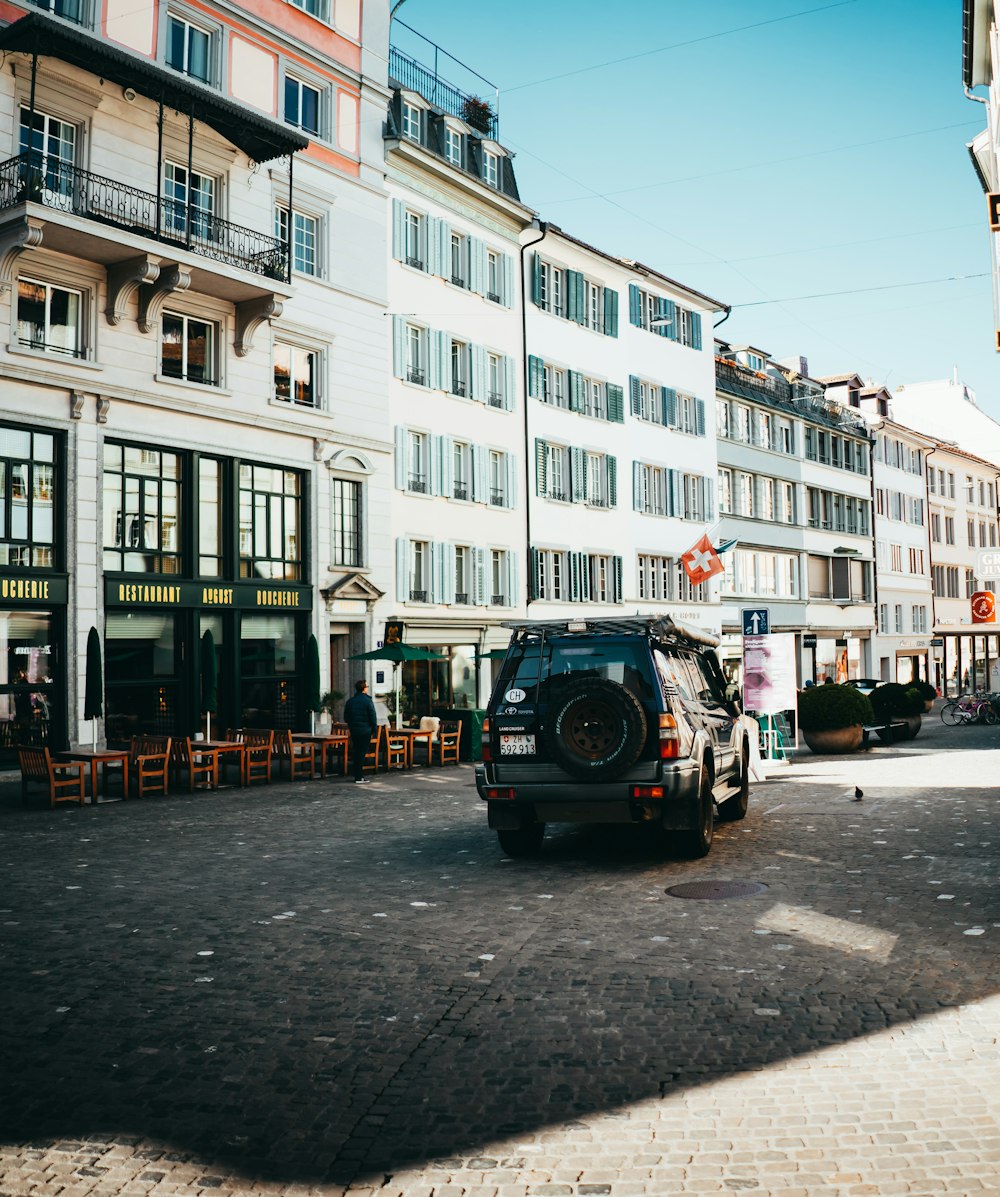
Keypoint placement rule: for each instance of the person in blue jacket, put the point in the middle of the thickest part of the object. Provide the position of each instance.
(362, 723)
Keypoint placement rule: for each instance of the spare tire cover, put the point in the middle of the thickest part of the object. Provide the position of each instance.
(596, 729)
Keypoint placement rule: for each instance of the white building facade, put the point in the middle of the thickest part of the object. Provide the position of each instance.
(621, 431)
(193, 357)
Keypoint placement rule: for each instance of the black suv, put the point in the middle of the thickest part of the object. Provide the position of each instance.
(612, 720)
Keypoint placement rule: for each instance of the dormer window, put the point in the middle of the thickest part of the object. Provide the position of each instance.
(854, 398)
(412, 119)
(453, 145)
(755, 362)
(491, 168)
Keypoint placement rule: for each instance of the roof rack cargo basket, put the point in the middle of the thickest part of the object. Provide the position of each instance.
(658, 627)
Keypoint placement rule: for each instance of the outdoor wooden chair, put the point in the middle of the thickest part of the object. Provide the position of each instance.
(300, 756)
(201, 764)
(449, 741)
(374, 754)
(432, 724)
(64, 780)
(397, 750)
(149, 756)
(258, 752)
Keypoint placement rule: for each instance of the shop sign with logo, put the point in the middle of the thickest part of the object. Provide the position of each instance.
(27, 589)
(244, 596)
(983, 604)
(393, 632)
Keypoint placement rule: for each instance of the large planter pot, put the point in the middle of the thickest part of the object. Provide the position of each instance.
(928, 706)
(912, 728)
(835, 740)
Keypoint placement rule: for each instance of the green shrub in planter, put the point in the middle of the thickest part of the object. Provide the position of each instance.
(925, 690)
(829, 708)
(893, 701)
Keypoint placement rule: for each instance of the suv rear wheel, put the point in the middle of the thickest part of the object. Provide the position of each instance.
(697, 843)
(596, 729)
(522, 841)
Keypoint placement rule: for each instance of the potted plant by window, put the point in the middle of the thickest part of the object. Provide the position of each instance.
(893, 703)
(329, 705)
(832, 718)
(926, 692)
(478, 113)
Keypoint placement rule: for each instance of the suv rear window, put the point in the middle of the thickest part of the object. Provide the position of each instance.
(616, 660)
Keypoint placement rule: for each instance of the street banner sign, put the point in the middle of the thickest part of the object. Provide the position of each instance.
(983, 604)
(756, 621)
(769, 673)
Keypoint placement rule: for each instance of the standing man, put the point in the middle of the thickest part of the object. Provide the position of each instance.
(362, 722)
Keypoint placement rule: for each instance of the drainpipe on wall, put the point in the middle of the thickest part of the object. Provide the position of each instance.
(871, 474)
(543, 225)
(930, 559)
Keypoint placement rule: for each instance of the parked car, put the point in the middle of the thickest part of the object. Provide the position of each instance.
(865, 684)
(612, 720)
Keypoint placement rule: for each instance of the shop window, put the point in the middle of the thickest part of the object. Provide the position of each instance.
(210, 525)
(142, 666)
(27, 689)
(142, 509)
(27, 498)
(270, 504)
(268, 687)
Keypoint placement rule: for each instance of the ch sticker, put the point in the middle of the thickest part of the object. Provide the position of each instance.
(514, 695)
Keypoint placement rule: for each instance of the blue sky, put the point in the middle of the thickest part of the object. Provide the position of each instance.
(821, 150)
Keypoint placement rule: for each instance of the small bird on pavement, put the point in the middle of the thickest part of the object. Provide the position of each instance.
(858, 794)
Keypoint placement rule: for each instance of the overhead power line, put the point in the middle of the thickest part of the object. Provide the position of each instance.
(926, 282)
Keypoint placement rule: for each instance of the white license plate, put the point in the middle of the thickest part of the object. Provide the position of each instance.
(517, 745)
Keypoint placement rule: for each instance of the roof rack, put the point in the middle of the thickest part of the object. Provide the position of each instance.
(660, 627)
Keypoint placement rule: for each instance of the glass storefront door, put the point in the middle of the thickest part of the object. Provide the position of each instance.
(28, 691)
(143, 673)
(268, 678)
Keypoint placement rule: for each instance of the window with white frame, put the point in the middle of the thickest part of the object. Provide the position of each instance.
(414, 234)
(594, 398)
(896, 558)
(687, 414)
(315, 8)
(550, 574)
(453, 145)
(459, 356)
(54, 142)
(497, 464)
(494, 276)
(190, 48)
(412, 121)
(554, 388)
(767, 507)
(653, 495)
(463, 574)
(655, 576)
(919, 617)
(759, 572)
(650, 402)
(417, 462)
(722, 418)
(786, 502)
(296, 373)
(420, 571)
(345, 518)
(883, 618)
(461, 470)
(742, 424)
(898, 617)
(499, 579)
(936, 527)
(557, 473)
(491, 168)
(747, 505)
(302, 105)
(189, 201)
(595, 472)
(692, 497)
(593, 305)
(188, 349)
(551, 288)
(416, 353)
(725, 493)
(459, 259)
(50, 318)
(599, 568)
(495, 381)
(304, 239)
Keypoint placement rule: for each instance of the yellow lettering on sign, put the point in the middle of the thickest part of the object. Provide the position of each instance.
(23, 588)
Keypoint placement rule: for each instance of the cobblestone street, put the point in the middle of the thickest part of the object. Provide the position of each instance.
(319, 988)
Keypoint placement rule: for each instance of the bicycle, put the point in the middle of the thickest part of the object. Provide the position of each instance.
(969, 708)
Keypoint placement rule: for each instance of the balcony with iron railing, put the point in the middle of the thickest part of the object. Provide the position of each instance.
(428, 82)
(765, 385)
(34, 178)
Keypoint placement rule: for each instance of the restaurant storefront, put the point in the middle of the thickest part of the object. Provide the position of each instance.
(33, 591)
(219, 544)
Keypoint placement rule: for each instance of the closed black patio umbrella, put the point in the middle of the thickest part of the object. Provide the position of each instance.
(310, 680)
(209, 680)
(93, 698)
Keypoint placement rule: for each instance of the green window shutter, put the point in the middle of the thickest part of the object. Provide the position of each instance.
(637, 486)
(509, 383)
(541, 472)
(536, 377)
(575, 387)
(533, 578)
(399, 347)
(610, 312)
(669, 407)
(398, 230)
(634, 305)
(574, 577)
(612, 464)
(699, 407)
(584, 577)
(617, 595)
(695, 330)
(575, 307)
(507, 297)
(666, 310)
(536, 280)
(616, 404)
(578, 475)
(635, 397)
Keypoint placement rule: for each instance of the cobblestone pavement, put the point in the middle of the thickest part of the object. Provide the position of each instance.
(324, 989)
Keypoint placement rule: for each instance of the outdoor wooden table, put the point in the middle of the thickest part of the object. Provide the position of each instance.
(100, 756)
(412, 734)
(336, 742)
(220, 748)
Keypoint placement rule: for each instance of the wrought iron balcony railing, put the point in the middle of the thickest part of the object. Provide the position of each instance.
(40, 179)
(411, 74)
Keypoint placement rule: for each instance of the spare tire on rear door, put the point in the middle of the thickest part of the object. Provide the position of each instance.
(595, 729)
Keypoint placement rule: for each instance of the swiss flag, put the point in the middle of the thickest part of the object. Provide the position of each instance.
(701, 562)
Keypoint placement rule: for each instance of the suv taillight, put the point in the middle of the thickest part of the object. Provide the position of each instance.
(669, 742)
(487, 755)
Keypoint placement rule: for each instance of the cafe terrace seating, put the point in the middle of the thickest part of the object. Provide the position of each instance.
(64, 780)
(149, 757)
(449, 740)
(300, 756)
(200, 764)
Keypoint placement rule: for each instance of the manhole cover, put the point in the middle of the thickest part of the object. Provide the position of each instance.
(715, 891)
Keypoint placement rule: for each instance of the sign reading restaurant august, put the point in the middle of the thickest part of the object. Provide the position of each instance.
(241, 595)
